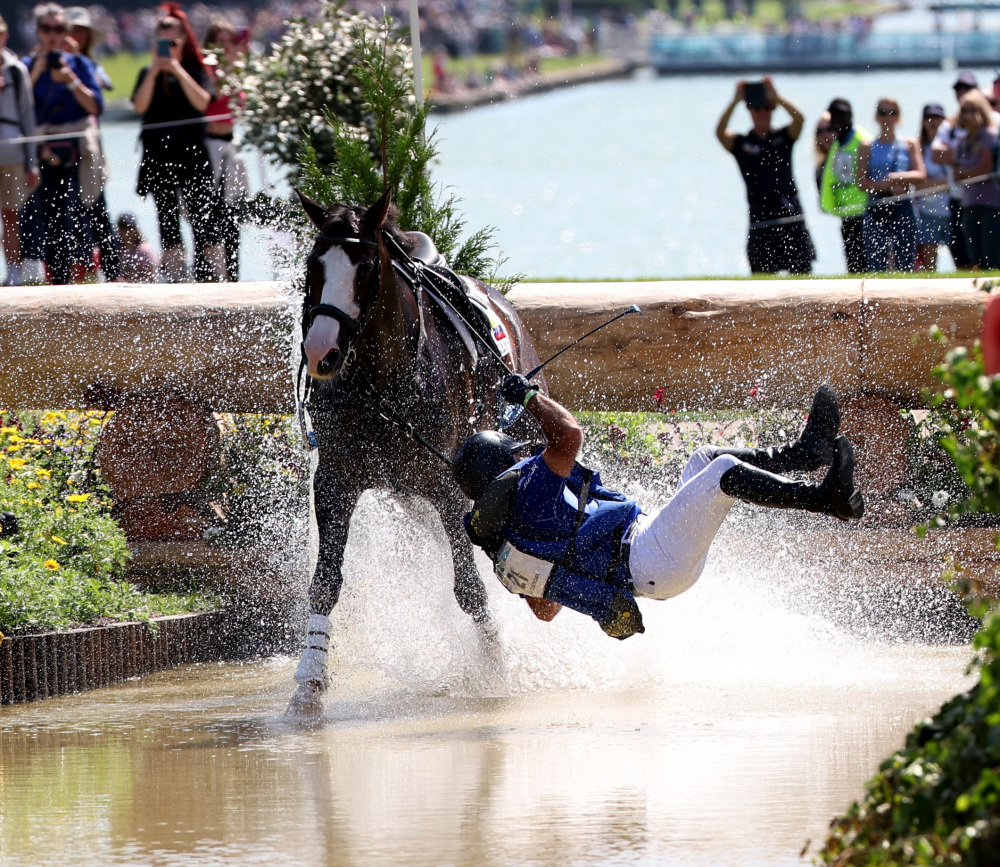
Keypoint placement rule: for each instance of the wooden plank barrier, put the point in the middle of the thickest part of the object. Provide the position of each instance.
(40, 666)
(234, 348)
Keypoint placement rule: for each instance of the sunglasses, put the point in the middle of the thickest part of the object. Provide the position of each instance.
(52, 28)
(968, 109)
(822, 130)
(887, 112)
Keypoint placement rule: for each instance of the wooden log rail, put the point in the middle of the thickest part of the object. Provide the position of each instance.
(233, 348)
(706, 344)
(227, 347)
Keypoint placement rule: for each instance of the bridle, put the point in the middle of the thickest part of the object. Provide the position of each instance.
(350, 327)
(353, 328)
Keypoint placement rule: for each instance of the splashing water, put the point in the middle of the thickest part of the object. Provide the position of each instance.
(750, 622)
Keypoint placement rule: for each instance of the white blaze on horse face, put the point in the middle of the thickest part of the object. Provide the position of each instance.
(338, 291)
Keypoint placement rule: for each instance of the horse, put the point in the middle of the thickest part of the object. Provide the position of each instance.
(399, 377)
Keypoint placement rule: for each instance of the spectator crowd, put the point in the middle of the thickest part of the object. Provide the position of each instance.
(56, 225)
(899, 198)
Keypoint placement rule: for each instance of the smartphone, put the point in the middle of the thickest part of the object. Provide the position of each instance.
(163, 47)
(754, 94)
(53, 59)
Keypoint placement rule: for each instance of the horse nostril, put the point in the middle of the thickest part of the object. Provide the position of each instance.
(328, 363)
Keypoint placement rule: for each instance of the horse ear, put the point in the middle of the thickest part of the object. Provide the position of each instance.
(313, 210)
(375, 217)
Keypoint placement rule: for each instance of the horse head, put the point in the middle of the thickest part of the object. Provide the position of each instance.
(340, 290)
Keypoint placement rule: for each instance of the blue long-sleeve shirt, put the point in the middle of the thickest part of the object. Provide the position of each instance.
(54, 101)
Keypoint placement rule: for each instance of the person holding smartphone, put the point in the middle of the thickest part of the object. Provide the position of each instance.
(778, 239)
(171, 95)
(67, 96)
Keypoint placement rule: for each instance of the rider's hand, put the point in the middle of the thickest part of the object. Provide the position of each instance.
(516, 389)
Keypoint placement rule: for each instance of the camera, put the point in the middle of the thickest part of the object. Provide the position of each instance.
(163, 47)
(53, 60)
(754, 94)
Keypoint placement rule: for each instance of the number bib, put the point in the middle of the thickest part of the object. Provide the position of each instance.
(522, 573)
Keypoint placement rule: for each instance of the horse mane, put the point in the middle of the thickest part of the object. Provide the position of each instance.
(348, 217)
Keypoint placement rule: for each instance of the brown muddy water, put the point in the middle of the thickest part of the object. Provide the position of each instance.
(730, 733)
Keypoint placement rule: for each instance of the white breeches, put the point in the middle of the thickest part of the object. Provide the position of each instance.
(669, 548)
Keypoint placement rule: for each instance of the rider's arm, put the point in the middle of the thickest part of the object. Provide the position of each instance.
(563, 435)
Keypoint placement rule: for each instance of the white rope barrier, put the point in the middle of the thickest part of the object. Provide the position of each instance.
(887, 200)
(62, 136)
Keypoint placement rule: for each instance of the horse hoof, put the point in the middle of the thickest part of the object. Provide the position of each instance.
(306, 701)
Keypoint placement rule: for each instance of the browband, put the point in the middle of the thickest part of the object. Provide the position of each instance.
(333, 239)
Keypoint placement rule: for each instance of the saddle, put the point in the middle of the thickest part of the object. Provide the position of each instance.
(463, 302)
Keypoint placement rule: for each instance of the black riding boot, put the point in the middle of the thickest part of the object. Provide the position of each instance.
(834, 496)
(812, 450)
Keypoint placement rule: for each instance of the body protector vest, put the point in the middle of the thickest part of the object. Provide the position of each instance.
(575, 556)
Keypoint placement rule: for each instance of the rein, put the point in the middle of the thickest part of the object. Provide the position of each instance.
(418, 277)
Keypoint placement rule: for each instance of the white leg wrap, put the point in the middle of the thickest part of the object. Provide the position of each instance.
(313, 664)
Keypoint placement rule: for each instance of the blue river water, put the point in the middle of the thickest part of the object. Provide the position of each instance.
(616, 180)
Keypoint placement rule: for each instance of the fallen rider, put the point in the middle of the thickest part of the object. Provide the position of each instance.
(558, 537)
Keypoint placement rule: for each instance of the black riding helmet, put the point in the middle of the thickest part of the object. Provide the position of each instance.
(481, 458)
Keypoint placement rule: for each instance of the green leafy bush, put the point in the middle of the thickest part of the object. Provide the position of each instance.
(63, 566)
(344, 122)
(261, 482)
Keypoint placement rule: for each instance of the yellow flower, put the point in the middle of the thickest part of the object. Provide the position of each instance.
(60, 541)
(8, 430)
(78, 498)
(14, 448)
(16, 463)
(52, 564)
(32, 485)
(43, 474)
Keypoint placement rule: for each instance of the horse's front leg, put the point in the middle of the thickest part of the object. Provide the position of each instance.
(469, 589)
(335, 499)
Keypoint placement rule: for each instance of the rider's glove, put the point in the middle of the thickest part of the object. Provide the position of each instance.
(517, 390)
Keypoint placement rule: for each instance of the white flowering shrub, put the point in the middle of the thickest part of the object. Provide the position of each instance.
(310, 76)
